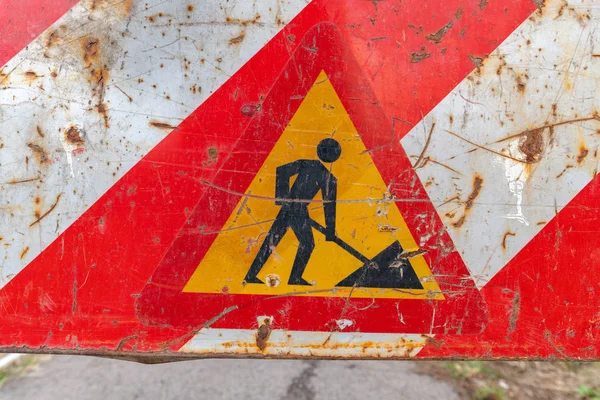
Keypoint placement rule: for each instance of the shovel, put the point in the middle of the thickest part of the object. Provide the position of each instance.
(386, 270)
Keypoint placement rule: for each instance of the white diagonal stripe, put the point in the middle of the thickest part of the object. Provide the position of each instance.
(493, 176)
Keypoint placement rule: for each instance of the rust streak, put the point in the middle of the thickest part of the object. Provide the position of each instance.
(162, 125)
(504, 238)
(477, 184)
(37, 221)
(238, 39)
(547, 125)
(485, 148)
(24, 252)
(17, 181)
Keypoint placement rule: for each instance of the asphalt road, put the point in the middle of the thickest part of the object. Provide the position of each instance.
(76, 377)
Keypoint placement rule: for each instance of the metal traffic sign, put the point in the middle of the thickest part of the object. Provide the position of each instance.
(294, 178)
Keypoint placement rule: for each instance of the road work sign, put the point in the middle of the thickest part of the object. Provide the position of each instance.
(284, 178)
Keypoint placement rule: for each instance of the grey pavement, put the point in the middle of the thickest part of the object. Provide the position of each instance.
(77, 377)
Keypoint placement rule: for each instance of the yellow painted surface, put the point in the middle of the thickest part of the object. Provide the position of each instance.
(363, 219)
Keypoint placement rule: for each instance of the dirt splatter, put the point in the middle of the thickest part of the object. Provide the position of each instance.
(459, 13)
(514, 313)
(483, 4)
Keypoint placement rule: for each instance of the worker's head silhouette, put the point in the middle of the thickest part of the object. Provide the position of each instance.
(329, 150)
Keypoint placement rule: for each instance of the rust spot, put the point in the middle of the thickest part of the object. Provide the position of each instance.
(37, 200)
(418, 57)
(540, 3)
(273, 280)
(52, 38)
(439, 35)
(39, 131)
(477, 60)
(483, 4)
(91, 50)
(39, 153)
(583, 152)
(161, 125)
(262, 336)
(238, 39)
(151, 18)
(24, 252)
(508, 233)
(521, 84)
(212, 153)
(73, 136)
(532, 145)
(190, 7)
(31, 75)
(243, 22)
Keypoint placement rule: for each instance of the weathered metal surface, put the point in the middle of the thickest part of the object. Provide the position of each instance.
(435, 161)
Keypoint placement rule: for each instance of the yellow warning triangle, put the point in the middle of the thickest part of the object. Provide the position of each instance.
(364, 220)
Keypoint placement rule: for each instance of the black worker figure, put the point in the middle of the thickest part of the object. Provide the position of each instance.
(312, 177)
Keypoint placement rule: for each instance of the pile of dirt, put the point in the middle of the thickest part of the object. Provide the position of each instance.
(519, 380)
